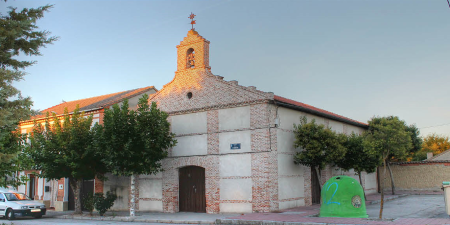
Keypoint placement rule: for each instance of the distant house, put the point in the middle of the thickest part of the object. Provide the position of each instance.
(445, 155)
(56, 193)
(235, 146)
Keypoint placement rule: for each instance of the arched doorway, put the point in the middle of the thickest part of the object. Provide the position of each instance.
(192, 196)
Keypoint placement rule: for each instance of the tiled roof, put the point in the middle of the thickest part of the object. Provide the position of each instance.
(420, 162)
(316, 111)
(92, 103)
(445, 155)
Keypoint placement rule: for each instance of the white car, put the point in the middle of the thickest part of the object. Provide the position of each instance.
(14, 204)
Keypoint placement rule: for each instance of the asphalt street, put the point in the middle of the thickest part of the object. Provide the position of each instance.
(412, 206)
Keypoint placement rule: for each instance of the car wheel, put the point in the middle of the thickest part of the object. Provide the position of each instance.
(9, 214)
(37, 216)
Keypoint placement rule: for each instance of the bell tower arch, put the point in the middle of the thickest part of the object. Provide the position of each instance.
(193, 52)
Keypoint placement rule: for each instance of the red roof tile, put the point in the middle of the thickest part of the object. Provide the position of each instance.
(311, 109)
(92, 103)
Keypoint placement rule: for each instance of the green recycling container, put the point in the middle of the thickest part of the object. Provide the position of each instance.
(343, 196)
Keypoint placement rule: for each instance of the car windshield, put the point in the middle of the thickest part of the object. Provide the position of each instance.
(16, 197)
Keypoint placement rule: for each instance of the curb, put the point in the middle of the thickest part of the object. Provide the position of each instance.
(263, 222)
(217, 221)
(129, 219)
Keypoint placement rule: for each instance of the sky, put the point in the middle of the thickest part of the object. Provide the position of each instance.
(356, 58)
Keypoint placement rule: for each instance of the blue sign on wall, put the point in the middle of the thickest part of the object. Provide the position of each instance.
(235, 146)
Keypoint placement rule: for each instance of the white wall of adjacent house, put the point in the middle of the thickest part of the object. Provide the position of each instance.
(21, 188)
(150, 192)
(119, 186)
(291, 181)
(47, 195)
(40, 189)
(133, 102)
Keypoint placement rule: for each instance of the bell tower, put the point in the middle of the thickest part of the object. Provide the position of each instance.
(193, 51)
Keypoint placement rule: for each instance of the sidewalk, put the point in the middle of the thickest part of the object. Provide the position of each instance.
(299, 215)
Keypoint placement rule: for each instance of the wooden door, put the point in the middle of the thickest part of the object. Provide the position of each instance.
(192, 189)
(87, 187)
(32, 187)
(315, 187)
(71, 203)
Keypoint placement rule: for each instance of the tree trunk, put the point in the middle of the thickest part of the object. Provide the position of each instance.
(382, 189)
(76, 187)
(360, 182)
(319, 176)
(133, 196)
(392, 178)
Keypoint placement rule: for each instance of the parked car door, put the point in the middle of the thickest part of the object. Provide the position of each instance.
(2, 204)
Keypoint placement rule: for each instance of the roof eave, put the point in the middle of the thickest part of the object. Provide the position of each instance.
(314, 112)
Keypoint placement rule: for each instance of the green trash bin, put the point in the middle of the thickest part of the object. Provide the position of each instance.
(343, 196)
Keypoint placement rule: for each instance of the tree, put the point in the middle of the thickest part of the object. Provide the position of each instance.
(356, 158)
(67, 150)
(432, 143)
(11, 159)
(136, 141)
(386, 137)
(321, 146)
(416, 141)
(18, 35)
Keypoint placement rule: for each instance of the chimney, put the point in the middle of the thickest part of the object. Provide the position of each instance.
(429, 155)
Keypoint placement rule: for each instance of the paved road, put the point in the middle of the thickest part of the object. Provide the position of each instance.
(412, 206)
(54, 221)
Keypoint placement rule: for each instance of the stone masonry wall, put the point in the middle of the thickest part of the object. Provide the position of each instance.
(418, 176)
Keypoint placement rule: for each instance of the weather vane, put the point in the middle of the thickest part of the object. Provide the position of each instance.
(192, 20)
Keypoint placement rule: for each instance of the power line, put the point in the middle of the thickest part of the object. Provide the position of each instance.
(435, 125)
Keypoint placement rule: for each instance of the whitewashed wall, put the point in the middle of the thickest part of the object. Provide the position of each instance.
(235, 167)
(291, 183)
(150, 193)
(235, 182)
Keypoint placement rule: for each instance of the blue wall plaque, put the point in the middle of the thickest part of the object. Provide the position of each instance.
(235, 146)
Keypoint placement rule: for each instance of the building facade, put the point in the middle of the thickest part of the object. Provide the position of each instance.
(235, 146)
(57, 193)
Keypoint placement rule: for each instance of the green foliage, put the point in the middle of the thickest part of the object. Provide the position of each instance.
(103, 204)
(416, 140)
(10, 158)
(135, 141)
(18, 35)
(89, 202)
(356, 158)
(388, 137)
(432, 143)
(320, 145)
(67, 150)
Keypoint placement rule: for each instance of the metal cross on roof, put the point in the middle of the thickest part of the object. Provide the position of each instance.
(192, 20)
